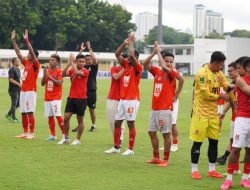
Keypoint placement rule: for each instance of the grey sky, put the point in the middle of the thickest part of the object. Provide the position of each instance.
(179, 13)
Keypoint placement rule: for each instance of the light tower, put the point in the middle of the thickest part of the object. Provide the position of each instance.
(159, 33)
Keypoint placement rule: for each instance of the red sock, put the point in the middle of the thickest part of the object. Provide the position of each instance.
(246, 168)
(60, 123)
(117, 136)
(31, 122)
(175, 139)
(52, 125)
(132, 134)
(231, 168)
(25, 122)
(156, 155)
(166, 155)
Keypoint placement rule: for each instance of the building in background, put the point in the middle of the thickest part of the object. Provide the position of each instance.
(206, 22)
(145, 22)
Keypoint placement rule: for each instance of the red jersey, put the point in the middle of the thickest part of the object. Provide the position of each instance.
(243, 101)
(114, 92)
(162, 98)
(30, 74)
(129, 82)
(78, 87)
(173, 80)
(52, 90)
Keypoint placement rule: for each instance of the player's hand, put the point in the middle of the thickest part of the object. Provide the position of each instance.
(71, 59)
(88, 45)
(232, 86)
(83, 47)
(13, 35)
(45, 72)
(131, 37)
(224, 96)
(26, 34)
(20, 85)
(156, 47)
(175, 98)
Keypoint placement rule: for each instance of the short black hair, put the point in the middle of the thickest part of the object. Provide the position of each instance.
(36, 52)
(124, 55)
(88, 55)
(136, 53)
(217, 56)
(233, 64)
(79, 56)
(56, 57)
(246, 62)
(240, 60)
(165, 53)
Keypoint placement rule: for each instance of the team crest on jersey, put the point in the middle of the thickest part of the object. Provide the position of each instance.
(126, 81)
(237, 137)
(157, 90)
(202, 80)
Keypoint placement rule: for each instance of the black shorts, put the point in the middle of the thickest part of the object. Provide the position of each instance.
(76, 106)
(91, 101)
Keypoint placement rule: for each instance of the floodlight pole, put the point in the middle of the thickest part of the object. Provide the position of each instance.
(159, 33)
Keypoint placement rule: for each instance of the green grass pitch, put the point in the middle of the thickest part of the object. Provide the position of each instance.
(41, 165)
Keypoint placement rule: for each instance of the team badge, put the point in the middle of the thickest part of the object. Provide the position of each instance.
(202, 80)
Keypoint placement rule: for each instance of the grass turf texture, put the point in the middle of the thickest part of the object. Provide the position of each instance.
(39, 164)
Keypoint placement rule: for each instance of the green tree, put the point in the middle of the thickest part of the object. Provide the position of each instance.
(170, 36)
(239, 33)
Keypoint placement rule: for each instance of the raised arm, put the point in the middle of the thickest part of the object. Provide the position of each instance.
(118, 52)
(82, 47)
(29, 46)
(65, 70)
(118, 75)
(17, 50)
(131, 51)
(94, 61)
(157, 49)
(146, 63)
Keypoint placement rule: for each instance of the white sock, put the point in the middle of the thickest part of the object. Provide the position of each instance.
(194, 167)
(229, 177)
(93, 125)
(211, 166)
(245, 176)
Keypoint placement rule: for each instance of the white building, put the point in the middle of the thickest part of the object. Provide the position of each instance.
(145, 22)
(199, 21)
(206, 22)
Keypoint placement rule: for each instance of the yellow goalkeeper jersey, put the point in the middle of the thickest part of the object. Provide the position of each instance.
(206, 92)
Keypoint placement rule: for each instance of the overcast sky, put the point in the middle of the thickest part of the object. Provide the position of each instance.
(179, 13)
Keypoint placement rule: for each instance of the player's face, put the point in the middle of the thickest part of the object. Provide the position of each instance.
(219, 66)
(232, 73)
(241, 70)
(88, 60)
(80, 63)
(169, 61)
(16, 62)
(52, 62)
(29, 57)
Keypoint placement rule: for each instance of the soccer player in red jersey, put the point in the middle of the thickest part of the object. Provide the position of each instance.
(241, 136)
(169, 59)
(162, 104)
(114, 98)
(52, 79)
(28, 89)
(77, 99)
(233, 74)
(129, 95)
